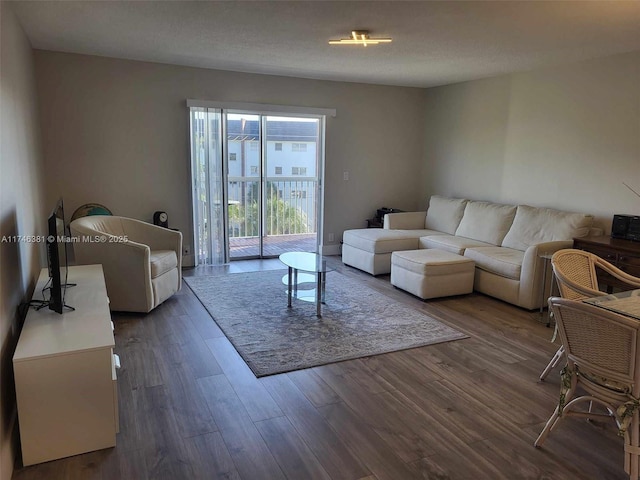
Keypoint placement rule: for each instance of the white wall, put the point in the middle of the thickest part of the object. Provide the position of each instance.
(115, 132)
(21, 210)
(563, 137)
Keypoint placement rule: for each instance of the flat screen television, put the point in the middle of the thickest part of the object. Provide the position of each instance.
(57, 258)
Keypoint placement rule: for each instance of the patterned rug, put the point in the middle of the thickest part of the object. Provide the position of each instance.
(357, 321)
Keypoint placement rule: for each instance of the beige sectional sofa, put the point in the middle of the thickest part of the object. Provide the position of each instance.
(504, 241)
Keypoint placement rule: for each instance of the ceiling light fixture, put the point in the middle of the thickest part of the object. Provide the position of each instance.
(360, 37)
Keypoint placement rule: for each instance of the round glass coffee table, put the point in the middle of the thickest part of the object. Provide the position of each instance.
(306, 262)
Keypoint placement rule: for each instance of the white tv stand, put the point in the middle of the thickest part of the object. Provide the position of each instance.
(65, 372)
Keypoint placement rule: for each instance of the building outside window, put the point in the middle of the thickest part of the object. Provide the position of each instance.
(278, 170)
(232, 157)
(254, 170)
(278, 146)
(298, 147)
(298, 170)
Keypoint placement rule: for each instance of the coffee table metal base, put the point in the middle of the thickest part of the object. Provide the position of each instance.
(292, 288)
(310, 263)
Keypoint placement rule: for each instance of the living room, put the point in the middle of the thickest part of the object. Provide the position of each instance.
(560, 131)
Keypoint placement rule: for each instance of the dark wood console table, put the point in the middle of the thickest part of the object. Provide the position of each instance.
(624, 254)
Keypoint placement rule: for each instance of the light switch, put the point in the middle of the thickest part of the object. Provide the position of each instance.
(345, 176)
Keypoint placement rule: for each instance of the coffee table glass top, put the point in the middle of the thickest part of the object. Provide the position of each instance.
(305, 261)
(626, 303)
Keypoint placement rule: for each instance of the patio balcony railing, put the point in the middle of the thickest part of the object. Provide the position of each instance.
(290, 206)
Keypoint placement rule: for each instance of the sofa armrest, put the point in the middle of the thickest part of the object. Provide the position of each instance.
(405, 221)
(549, 248)
(532, 272)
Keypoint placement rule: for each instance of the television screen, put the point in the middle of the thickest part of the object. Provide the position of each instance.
(57, 258)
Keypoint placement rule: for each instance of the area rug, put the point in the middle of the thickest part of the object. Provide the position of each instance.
(357, 321)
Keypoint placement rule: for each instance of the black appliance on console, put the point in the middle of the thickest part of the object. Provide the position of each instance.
(381, 212)
(626, 226)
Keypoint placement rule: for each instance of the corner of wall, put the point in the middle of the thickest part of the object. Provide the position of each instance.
(21, 215)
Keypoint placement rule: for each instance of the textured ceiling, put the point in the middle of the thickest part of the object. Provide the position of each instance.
(434, 43)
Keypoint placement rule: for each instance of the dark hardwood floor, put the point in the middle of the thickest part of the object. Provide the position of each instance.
(191, 409)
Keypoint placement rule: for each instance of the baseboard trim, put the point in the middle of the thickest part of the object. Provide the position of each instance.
(330, 249)
(188, 260)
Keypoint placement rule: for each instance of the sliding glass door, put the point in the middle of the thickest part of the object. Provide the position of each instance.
(291, 183)
(244, 184)
(268, 174)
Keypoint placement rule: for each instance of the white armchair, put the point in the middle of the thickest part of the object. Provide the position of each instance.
(142, 262)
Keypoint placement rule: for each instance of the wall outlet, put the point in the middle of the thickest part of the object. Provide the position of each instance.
(345, 176)
(331, 237)
(186, 250)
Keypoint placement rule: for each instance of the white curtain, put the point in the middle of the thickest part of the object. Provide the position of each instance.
(208, 186)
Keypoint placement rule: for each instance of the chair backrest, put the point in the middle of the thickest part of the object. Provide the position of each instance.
(600, 342)
(575, 274)
(96, 224)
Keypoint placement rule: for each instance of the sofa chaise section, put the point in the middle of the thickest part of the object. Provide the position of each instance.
(370, 249)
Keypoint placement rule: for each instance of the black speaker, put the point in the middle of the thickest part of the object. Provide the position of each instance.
(620, 226)
(161, 219)
(633, 232)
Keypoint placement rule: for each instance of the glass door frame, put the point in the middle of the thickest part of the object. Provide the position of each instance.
(262, 187)
(225, 162)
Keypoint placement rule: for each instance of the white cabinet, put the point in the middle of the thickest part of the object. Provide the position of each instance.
(65, 372)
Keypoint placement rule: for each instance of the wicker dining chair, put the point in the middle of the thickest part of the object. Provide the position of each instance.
(576, 276)
(601, 348)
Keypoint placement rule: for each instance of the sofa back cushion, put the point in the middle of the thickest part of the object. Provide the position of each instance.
(486, 222)
(444, 214)
(533, 225)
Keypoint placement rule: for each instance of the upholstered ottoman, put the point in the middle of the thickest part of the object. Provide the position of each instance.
(432, 273)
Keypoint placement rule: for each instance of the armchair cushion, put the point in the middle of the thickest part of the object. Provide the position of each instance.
(162, 261)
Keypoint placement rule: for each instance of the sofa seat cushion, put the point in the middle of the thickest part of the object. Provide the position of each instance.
(431, 262)
(380, 240)
(451, 243)
(506, 262)
(162, 261)
(426, 232)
